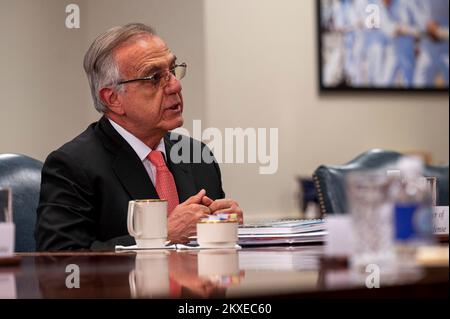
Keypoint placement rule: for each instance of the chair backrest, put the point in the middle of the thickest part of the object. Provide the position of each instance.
(329, 180)
(23, 175)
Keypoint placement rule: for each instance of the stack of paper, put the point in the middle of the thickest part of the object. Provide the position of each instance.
(282, 232)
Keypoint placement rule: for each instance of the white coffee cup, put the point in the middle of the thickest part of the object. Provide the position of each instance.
(147, 222)
(217, 234)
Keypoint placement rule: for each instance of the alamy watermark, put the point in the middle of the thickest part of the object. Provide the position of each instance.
(73, 279)
(234, 145)
(373, 279)
(373, 16)
(73, 17)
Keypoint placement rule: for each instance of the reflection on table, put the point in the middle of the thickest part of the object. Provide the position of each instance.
(257, 272)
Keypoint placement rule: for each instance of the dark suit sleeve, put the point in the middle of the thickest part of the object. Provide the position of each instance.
(219, 177)
(66, 214)
(217, 181)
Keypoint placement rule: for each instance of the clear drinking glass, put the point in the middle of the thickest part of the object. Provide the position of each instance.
(372, 216)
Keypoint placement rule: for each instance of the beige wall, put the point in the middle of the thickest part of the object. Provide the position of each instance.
(261, 71)
(41, 83)
(252, 63)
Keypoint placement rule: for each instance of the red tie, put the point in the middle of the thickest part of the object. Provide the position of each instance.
(165, 184)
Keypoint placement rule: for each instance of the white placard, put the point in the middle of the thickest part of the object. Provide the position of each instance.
(440, 220)
(7, 231)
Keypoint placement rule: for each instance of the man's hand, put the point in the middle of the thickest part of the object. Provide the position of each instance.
(182, 221)
(224, 205)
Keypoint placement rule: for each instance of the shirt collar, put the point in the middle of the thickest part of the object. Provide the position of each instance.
(141, 149)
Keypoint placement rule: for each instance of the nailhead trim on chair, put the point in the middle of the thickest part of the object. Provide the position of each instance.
(323, 209)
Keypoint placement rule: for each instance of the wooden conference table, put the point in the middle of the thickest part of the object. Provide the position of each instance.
(272, 272)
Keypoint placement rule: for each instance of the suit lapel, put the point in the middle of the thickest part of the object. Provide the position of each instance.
(126, 164)
(133, 176)
(181, 172)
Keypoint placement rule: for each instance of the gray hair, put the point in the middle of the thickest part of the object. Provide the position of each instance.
(99, 64)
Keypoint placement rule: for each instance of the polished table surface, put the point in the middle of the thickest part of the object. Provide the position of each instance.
(273, 272)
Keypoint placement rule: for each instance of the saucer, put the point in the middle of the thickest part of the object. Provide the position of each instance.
(151, 243)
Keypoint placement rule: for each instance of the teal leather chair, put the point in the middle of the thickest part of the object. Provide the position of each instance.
(329, 180)
(23, 175)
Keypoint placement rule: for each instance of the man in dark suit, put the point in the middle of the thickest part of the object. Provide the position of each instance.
(128, 154)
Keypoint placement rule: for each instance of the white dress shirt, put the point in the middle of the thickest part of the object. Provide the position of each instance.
(141, 149)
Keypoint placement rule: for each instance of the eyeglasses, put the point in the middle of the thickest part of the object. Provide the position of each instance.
(179, 71)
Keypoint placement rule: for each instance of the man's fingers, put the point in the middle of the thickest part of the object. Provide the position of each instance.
(199, 209)
(207, 201)
(196, 199)
(224, 211)
(222, 204)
